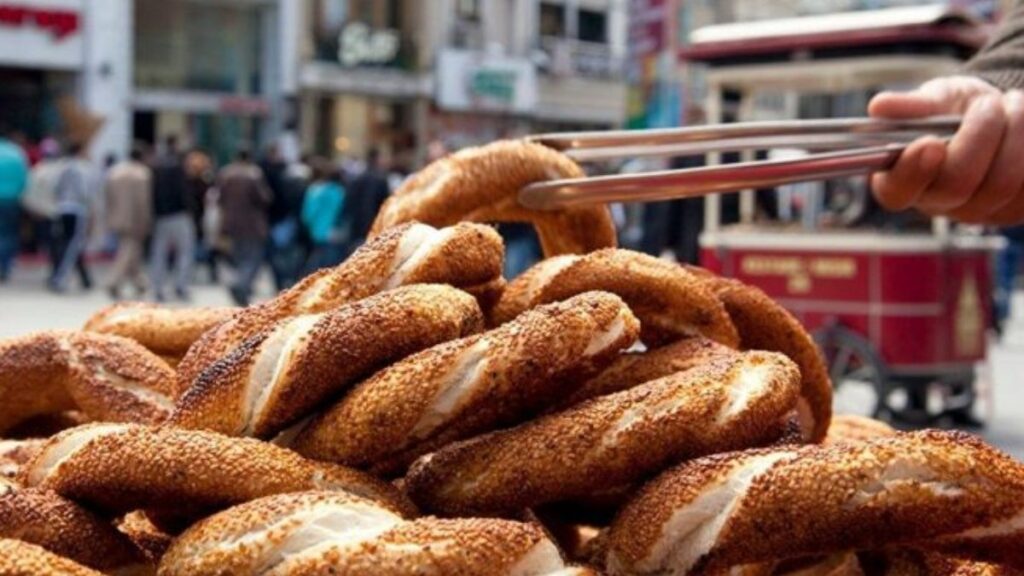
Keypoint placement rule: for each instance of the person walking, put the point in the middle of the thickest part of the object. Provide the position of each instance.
(129, 195)
(173, 230)
(40, 198)
(199, 178)
(283, 238)
(245, 203)
(76, 196)
(13, 179)
(366, 194)
(321, 215)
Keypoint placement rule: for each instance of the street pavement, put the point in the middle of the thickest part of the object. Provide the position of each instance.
(26, 306)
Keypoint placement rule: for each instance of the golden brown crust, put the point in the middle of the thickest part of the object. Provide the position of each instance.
(472, 385)
(149, 539)
(481, 184)
(670, 301)
(108, 377)
(634, 368)
(611, 440)
(926, 489)
(464, 255)
(281, 375)
(853, 428)
(332, 533)
(765, 325)
(19, 558)
(43, 518)
(163, 330)
(120, 468)
(15, 453)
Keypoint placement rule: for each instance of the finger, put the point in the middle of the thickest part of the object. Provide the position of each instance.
(900, 187)
(1005, 175)
(968, 156)
(914, 104)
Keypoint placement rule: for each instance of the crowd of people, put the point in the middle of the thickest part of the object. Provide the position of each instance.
(167, 211)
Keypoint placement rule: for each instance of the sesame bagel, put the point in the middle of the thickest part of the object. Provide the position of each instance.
(283, 374)
(107, 377)
(670, 301)
(634, 368)
(117, 468)
(19, 558)
(481, 184)
(167, 332)
(611, 440)
(925, 489)
(472, 385)
(765, 325)
(853, 428)
(43, 518)
(334, 533)
(465, 256)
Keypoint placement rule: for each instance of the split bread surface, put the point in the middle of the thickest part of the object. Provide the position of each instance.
(285, 373)
(612, 440)
(465, 255)
(341, 534)
(117, 468)
(471, 385)
(944, 491)
(107, 377)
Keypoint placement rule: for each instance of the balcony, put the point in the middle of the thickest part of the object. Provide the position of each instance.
(571, 57)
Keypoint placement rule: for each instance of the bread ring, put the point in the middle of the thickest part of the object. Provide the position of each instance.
(671, 302)
(765, 325)
(117, 468)
(281, 375)
(611, 440)
(332, 533)
(19, 558)
(108, 377)
(472, 385)
(150, 540)
(481, 184)
(927, 489)
(15, 453)
(163, 330)
(464, 255)
(634, 368)
(64, 528)
(853, 428)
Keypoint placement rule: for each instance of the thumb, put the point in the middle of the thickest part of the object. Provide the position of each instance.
(915, 104)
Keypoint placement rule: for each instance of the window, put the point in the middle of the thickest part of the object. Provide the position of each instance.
(552, 19)
(593, 26)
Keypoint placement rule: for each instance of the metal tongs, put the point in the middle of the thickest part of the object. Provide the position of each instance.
(843, 147)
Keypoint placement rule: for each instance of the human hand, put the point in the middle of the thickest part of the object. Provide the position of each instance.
(978, 176)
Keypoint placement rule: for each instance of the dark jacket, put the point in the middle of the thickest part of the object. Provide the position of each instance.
(366, 194)
(170, 191)
(244, 201)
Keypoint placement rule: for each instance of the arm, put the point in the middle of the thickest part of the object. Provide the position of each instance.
(976, 177)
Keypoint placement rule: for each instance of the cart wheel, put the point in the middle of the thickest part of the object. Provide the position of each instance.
(859, 377)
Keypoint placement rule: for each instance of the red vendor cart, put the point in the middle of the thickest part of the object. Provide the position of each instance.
(901, 315)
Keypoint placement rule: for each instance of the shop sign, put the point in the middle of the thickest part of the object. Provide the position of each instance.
(472, 81)
(45, 33)
(360, 45)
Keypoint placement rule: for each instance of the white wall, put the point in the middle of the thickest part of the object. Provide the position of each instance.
(106, 80)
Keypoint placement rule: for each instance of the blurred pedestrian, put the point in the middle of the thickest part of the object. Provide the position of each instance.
(40, 199)
(366, 194)
(13, 180)
(173, 230)
(199, 180)
(76, 197)
(129, 195)
(322, 211)
(282, 241)
(244, 199)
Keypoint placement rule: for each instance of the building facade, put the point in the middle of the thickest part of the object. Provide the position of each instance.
(398, 75)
